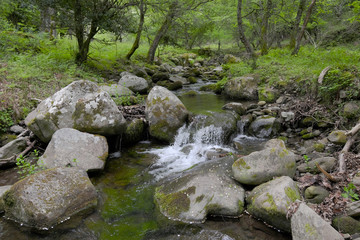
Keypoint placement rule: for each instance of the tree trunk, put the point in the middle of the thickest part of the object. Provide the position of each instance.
(162, 31)
(242, 36)
(297, 23)
(264, 28)
(301, 33)
(136, 44)
(79, 32)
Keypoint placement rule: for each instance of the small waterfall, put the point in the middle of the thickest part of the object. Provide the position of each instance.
(191, 144)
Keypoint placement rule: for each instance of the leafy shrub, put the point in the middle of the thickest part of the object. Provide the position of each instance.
(5, 119)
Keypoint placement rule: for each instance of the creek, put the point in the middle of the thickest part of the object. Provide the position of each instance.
(126, 208)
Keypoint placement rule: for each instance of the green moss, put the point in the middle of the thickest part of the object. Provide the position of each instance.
(241, 206)
(272, 208)
(173, 204)
(212, 207)
(310, 230)
(290, 165)
(292, 194)
(308, 136)
(199, 198)
(9, 199)
(241, 164)
(283, 138)
(319, 147)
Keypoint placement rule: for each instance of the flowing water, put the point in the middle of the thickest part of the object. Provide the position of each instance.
(126, 208)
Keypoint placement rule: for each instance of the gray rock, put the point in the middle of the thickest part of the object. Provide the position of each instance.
(270, 201)
(140, 72)
(356, 179)
(218, 69)
(204, 190)
(165, 114)
(261, 166)
(11, 149)
(316, 194)
(338, 137)
(82, 106)
(241, 88)
(346, 224)
(3, 190)
(50, 197)
(261, 103)
(268, 94)
(326, 163)
(353, 209)
(134, 83)
(287, 116)
(264, 126)
(160, 76)
(176, 78)
(234, 106)
(72, 148)
(16, 129)
(351, 109)
(116, 90)
(134, 132)
(306, 224)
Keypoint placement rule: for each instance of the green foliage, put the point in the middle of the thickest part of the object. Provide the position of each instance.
(5, 119)
(339, 78)
(350, 192)
(128, 100)
(26, 168)
(307, 159)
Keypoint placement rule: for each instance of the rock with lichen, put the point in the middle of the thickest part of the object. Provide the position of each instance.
(261, 166)
(165, 114)
(82, 106)
(270, 201)
(244, 88)
(134, 83)
(202, 191)
(48, 198)
(338, 137)
(72, 148)
(264, 126)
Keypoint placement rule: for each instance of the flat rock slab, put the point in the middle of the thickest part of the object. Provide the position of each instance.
(307, 224)
(12, 149)
(50, 197)
(72, 148)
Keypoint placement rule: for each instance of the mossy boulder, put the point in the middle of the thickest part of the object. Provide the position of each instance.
(351, 110)
(160, 76)
(72, 148)
(3, 190)
(270, 201)
(135, 131)
(307, 224)
(261, 166)
(202, 191)
(165, 114)
(268, 94)
(346, 224)
(236, 107)
(244, 88)
(82, 106)
(264, 126)
(316, 194)
(338, 137)
(50, 197)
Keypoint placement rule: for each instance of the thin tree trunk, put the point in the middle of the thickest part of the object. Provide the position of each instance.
(79, 30)
(142, 8)
(264, 28)
(242, 36)
(301, 33)
(162, 31)
(297, 23)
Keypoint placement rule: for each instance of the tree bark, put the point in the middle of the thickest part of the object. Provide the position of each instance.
(301, 33)
(142, 8)
(242, 36)
(264, 28)
(297, 23)
(162, 31)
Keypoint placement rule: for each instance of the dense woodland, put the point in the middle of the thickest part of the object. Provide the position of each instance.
(52, 42)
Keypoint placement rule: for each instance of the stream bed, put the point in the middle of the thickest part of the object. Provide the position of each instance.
(126, 208)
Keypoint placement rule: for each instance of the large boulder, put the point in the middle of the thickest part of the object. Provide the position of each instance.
(165, 114)
(82, 106)
(3, 190)
(72, 148)
(50, 197)
(12, 149)
(244, 88)
(264, 126)
(134, 83)
(306, 224)
(270, 201)
(205, 190)
(261, 166)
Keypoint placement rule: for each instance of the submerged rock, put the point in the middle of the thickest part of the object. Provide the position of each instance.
(270, 201)
(205, 190)
(264, 126)
(241, 88)
(50, 197)
(165, 114)
(306, 224)
(82, 106)
(72, 148)
(261, 166)
(135, 131)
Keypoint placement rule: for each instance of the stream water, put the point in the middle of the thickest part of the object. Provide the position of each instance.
(126, 207)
